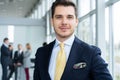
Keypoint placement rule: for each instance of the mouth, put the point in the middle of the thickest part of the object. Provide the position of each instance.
(63, 29)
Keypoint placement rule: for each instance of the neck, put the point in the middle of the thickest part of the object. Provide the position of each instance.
(63, 38)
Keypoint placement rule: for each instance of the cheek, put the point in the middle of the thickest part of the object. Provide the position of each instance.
(55, 23)
(56, 29)
(73, 25)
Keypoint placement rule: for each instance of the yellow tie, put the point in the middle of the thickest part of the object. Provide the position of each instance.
(60, 62)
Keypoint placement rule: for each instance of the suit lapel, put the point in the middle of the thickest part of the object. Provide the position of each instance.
(75, 53)
(49, 52)
(47, 59)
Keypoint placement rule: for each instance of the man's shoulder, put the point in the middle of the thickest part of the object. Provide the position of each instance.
(86, 46)
(45, 48)
(2, 46)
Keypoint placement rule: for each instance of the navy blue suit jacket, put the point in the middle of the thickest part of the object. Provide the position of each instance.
(5, 56)
(95, 68)
(18, 57)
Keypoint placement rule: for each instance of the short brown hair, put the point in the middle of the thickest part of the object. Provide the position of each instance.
(62, 3)
(28, 46)
(5, 39)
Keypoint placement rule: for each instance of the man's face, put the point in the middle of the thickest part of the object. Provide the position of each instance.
(64, 21)
(19, 47)
(7, 42)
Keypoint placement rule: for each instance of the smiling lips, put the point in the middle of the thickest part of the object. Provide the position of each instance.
(63, 28)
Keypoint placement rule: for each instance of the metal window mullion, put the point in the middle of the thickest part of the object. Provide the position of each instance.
(111, 41)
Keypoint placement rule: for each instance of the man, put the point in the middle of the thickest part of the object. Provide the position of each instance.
(17, 62)
(5, 58)
(83, 62)
(11, 66)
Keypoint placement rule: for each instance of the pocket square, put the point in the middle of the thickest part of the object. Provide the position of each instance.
(80, 65)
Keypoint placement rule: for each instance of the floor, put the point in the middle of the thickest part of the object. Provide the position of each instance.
(21, 75)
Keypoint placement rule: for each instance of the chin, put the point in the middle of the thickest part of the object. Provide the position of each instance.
(65, 36)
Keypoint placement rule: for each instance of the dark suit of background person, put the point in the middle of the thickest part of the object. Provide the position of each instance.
(18, 58)
(17, 62)
(83, 61)
(5, 58)
(11, 66)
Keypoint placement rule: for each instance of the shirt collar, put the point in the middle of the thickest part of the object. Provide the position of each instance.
(68, 42)
(5, 44)
(20, 51)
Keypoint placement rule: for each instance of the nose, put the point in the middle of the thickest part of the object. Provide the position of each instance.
(64, 21)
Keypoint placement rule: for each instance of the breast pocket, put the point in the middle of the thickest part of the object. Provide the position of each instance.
(81, 73)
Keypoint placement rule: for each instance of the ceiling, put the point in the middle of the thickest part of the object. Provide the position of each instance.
(17, 8)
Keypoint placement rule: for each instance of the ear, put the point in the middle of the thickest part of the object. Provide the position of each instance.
(77, 21)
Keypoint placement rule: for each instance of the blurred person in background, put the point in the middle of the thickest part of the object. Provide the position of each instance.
(18, 61)
(44, 44)
(11, 66)
(26, 60)
(5, 58)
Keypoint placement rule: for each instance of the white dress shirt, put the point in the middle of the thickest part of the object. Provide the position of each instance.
(6, 45)
(68, 44)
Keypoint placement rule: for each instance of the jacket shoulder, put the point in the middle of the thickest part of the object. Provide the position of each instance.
(87, 47)
(45, 48)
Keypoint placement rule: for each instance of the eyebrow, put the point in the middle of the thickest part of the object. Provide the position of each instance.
(58, 15)
(61, 15)
(70, 15)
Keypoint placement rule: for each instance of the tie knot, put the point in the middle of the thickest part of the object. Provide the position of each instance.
(61, 45)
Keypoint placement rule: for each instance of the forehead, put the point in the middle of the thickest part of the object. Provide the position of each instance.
(64, 10)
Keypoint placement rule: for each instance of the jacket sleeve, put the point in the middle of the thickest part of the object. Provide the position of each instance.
(36, 75)
(99, 67)
(5, 51)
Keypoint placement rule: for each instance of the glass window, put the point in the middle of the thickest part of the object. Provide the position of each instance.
(107, 34)
(93, 4)
(43, 8)
(36, 14)
(84, 7)
(86, 30)
(109, 39)
(11, 33)
(116, 30)
(39, 12)
(93, 29)
(106, 0)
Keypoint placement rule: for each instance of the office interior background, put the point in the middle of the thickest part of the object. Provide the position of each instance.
(24, 21)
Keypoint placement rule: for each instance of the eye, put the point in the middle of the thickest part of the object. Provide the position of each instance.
(70, 17)
(58, 17)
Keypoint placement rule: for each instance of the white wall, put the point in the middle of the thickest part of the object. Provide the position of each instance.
(3, 33)
(29, 34)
